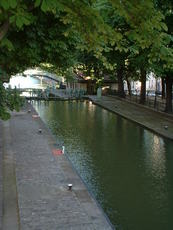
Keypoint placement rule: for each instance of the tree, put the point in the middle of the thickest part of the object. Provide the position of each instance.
(144, 39)
(167, 52)
(53, 31)
(47, 31)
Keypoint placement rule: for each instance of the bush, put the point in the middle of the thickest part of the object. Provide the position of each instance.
(9, 100)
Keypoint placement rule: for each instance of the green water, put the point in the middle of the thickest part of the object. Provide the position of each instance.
(128, 169)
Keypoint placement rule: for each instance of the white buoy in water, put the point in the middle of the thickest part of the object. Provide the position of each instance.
(63, 149)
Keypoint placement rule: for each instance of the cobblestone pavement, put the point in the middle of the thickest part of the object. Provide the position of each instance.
(44, 201)
(157, 122)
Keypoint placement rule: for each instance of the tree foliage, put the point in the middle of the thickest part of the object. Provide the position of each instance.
(10, 100)
(111, 32)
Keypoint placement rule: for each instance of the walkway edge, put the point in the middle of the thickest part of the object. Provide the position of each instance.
(167, 115)
(130, 119)
(10, 217)
(54, 143)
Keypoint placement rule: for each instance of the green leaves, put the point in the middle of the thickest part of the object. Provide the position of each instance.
(164, 26)
(7, 44)
(44, 6)
(6, 4)
(50, 5)
(10, 100)
(97, 26)
(23, 19)
(37, 3)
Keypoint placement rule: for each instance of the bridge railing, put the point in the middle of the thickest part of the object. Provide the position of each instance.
(53, 92)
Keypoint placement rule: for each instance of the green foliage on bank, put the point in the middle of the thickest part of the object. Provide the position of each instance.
(10, 100)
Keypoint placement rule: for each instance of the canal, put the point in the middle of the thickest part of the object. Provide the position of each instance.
(128, 169)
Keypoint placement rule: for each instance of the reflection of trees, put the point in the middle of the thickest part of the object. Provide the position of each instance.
(155, 158)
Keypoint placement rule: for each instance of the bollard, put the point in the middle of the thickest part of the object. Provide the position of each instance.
(63, 149)
(70, 187)
(29, 110)
(40, 130)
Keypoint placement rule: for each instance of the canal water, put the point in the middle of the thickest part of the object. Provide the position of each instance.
(128, 169)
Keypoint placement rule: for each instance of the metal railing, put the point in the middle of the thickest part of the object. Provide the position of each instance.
(53, 92)
(153, 101)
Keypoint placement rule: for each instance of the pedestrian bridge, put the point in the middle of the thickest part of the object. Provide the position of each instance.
(34, 78)
(40, 76)
(38, 73)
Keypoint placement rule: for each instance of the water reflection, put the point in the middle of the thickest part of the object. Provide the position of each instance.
(127, 168)
(155, 156)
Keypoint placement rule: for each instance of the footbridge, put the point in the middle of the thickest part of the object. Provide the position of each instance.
(38, 73)
(50, 77)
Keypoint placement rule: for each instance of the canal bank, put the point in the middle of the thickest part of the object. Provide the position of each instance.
(127, 168)
(157, 122)
(43, 199)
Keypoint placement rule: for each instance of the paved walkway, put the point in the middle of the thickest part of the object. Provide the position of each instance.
(157, 122)
(43, 201)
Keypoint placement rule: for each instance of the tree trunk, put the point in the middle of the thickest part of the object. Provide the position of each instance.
(169, 82)
(120, 72)
(163, 88)
(3, 29)
(143, 87)
(128, 86)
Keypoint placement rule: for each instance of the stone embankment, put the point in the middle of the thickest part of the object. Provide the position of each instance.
(35, 179)
(158, 122)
